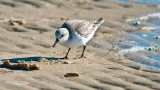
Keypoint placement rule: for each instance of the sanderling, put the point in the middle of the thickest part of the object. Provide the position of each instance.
(76, 33)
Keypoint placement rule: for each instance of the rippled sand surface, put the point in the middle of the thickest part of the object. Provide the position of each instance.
(27, 33)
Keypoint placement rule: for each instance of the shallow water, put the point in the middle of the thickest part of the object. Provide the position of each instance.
(143, 46)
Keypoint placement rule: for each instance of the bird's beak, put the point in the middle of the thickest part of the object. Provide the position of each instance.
(55, 42)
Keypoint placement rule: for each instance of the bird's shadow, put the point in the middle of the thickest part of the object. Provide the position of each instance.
(26, 59)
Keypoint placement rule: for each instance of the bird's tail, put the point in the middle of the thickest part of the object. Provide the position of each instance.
(99, 21)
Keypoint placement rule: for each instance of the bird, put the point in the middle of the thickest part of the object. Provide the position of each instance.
(76, 33)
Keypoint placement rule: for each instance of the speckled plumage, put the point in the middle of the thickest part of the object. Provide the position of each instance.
(82, 27)
(75, 33)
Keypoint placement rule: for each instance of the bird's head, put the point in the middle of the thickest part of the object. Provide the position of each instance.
(62, 36)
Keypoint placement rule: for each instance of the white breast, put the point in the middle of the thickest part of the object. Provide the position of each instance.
(77, 40)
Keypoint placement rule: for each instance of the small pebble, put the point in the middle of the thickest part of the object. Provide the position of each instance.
(72, 75)
(157, 37)
(32, 38)
(16, 21)
(143, 35)
(132, 42)
(137, 23)
(68, 62)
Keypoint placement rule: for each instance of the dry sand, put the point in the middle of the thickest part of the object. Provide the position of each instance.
(27, 32)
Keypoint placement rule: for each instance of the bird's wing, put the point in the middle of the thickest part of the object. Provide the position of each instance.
(82, 27)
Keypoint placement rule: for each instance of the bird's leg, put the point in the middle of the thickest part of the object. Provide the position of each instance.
(66, 54)
(84, 47)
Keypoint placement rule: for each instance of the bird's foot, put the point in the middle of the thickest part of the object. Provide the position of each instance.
(64, 58)
(80, 57)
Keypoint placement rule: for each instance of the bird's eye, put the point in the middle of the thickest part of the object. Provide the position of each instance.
(62, 36)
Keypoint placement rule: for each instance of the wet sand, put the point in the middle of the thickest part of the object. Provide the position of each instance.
(27, 33)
